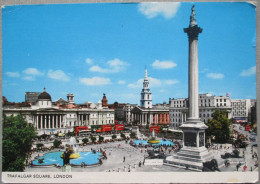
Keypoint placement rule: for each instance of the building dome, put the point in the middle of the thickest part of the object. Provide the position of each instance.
(44, 96)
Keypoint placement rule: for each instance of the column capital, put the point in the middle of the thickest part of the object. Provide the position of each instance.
(193, 32)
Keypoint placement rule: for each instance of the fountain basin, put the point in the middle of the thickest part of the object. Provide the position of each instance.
(161, 142)
(54, 158)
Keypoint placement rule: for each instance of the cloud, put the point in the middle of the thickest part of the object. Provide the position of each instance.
(215, 75)
(32, 71)
(153, 9)
(58, 75)
(170, 82)
(12, 74)
(163, 64)
(112, 66)
(121, 82)
(248, 72)
(89, 61)
(95, 81)
(29, 78)
(153, 83)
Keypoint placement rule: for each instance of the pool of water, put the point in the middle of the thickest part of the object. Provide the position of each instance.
(162, 142)
(54, 158)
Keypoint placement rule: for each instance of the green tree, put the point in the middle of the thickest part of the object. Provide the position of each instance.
(85, 140)
(122, 135)
(114, 136)
(56, 143)
(219, 127)
(17, 141)
(133, 135)
(93, 139)
(100, 138)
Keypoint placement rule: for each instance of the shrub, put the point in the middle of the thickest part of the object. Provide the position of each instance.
(114, 136)
(122, 135)
(85, 140)
(56, 143)
(100, 138)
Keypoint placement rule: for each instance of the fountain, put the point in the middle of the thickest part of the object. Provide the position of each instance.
(72, 149)
(77, 158)
(153, 139)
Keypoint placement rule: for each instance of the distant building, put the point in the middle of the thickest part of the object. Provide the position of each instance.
(241, 109)
(146, 113)
(60, 116)
(208, 104)
(31, 97)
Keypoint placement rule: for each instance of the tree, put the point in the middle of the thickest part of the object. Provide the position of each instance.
(100, 138)
(122, 135)
(17, 141)
(93, 139)
(219, 126)
(114, 136)
(133, 135)
(56, 143)
(85, 140)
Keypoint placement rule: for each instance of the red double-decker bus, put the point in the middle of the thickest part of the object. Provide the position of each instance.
(119, 127)
(106, 128)
(77, 129)
(247, 127)
(156, 129)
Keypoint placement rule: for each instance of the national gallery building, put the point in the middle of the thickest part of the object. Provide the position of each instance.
(60, 116)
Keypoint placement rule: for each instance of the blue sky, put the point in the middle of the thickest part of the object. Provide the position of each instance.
(91, 49)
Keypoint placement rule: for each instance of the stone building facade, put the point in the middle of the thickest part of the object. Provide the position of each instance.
(61, 116)
(208, 104)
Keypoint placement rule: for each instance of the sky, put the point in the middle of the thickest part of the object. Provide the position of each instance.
(91, 49)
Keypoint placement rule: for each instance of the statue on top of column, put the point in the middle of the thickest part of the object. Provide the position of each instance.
(193, 21)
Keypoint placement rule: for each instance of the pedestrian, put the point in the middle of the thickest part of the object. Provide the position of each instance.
(245, 168)
(124, 159)
(140, 163)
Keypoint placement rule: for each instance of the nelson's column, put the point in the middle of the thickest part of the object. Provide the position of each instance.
(194, 152)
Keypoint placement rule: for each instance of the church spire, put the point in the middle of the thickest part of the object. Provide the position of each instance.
(146, 95)
(146, 75)
(193, 21)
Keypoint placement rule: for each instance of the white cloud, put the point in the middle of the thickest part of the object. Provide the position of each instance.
(163, 64)
(32, 71)
(153, 83)
(248, 72)
(29, 78)
(58, 75)
(215, 75)
(153, 9)
(12, 74)
(89, 61)
(112, 66)
(170, 82)
(95, 81)
(121, 82)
